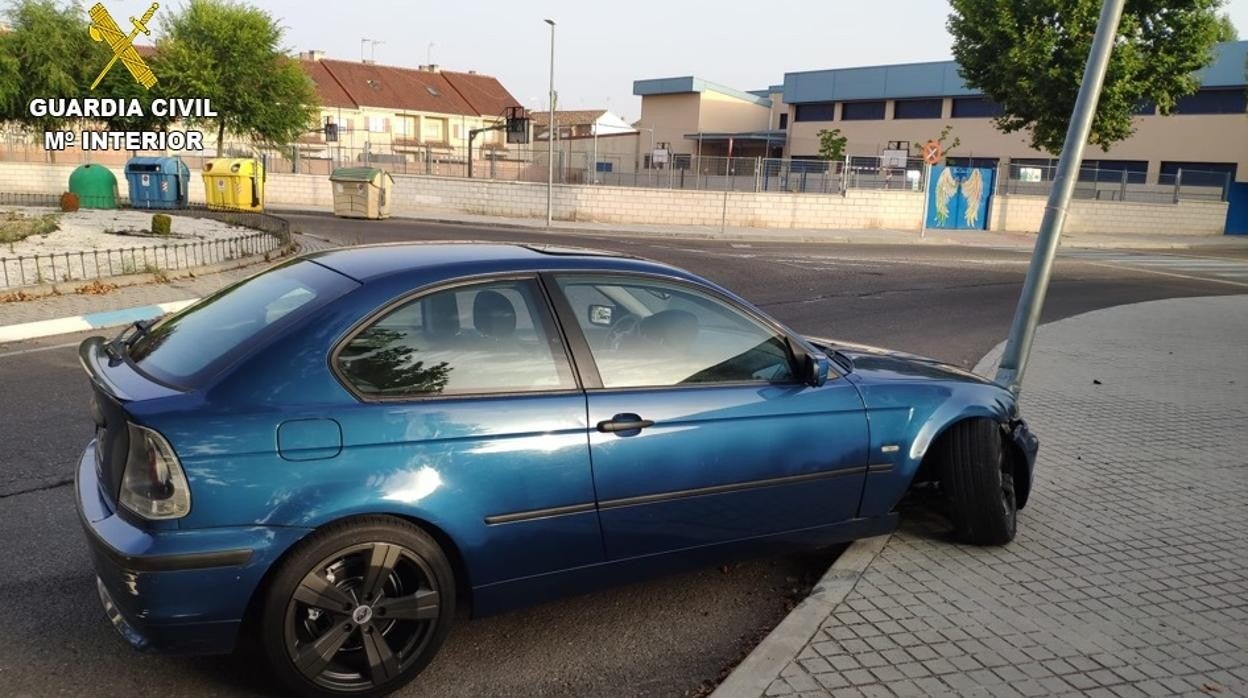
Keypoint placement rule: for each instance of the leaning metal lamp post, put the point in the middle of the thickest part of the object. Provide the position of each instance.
(1031, 302)
(550, 136)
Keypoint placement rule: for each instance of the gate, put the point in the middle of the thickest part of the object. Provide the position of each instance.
(958, 198)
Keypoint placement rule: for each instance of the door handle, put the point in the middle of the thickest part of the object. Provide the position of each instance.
(624, 422)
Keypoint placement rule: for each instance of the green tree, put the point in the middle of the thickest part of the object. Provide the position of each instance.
(43, 55)
(1029, 55)
(1226, 29)
(831, 144)
(10, 80)
(49, 53)
(230, 53)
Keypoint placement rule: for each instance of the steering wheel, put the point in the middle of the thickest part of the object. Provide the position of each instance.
(626, 326)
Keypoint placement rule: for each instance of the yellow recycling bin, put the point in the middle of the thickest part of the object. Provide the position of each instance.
(234, 184)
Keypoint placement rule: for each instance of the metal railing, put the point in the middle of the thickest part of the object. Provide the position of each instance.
(1117, 184)
(576, 162)
(273, 235)
(624, 162)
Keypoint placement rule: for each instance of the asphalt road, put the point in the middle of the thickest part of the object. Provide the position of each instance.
(665, 637)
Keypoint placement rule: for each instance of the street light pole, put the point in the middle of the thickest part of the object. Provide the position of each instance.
(1031, 302)
(550, 135)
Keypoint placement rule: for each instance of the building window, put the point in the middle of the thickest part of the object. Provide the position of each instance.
(972, 162)
(377, 124)
(808, 163)
(862, 111)
(1112, 171)
(975, 108)
(1198, 174)
(917, 108)
(405, 126)
(433, 130)
(784, 121)
(1232, 101)
(815, 111)
(1044, 170)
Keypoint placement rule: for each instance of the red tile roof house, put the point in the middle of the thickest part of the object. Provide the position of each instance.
(402, 114)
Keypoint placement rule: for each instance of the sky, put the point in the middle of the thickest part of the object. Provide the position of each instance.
(602, 46)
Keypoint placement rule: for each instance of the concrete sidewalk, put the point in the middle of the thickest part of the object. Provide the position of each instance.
(1129, 576)
(864, 237)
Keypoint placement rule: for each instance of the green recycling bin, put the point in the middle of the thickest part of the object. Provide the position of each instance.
(95, 186)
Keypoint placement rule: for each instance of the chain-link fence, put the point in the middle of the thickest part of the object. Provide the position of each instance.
(272, 236)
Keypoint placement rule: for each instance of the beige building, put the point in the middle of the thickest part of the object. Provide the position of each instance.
(875, 107)
(690, 116)
(403, 112)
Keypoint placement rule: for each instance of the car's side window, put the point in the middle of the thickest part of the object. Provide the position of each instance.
(652, 333)
(492, 337)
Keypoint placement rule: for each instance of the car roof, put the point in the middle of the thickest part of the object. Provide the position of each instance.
(367, 263)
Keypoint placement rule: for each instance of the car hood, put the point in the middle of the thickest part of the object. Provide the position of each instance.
(886, 364)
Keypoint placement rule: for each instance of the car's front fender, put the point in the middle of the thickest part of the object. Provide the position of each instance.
(906, 419)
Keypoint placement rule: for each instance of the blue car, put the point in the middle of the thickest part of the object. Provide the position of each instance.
(331, 457)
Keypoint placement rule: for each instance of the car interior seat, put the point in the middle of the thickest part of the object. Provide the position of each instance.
(494, 316)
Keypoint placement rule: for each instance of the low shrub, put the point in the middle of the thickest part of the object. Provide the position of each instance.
(162, 224)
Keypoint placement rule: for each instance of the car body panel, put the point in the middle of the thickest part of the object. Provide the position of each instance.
(183, 591)
(534, 500)
(910, 400)
(726, 462)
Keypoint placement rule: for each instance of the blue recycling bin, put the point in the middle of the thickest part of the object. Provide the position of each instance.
(158, 182)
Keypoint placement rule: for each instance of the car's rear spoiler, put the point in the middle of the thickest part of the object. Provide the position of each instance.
(115, 375)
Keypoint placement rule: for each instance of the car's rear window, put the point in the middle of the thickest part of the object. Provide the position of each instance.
(189, 347)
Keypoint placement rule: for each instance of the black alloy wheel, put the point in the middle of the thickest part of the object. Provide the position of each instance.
(363, 618)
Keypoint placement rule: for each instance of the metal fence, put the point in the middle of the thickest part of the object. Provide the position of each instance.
(273, 235)
(1118, 184)
(576, 162)
(624, 162)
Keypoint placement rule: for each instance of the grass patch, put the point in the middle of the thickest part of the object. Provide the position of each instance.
(15, 227)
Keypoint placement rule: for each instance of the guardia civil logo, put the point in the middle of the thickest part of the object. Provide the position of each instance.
(103, 28)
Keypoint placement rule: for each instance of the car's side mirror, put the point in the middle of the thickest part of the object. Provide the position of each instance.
(817, 366)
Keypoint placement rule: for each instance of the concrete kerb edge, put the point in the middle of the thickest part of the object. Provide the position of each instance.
(757, 671)
(91, 321)
(1025, 241)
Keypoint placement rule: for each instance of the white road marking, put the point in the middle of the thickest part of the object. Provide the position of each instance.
(1217, 270)
(36, 350)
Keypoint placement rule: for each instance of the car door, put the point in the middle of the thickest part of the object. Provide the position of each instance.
(700, 430)
(470, 411)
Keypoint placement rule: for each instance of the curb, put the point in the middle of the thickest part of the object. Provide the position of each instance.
(755, 674)
(91, 321)
(1021, 241)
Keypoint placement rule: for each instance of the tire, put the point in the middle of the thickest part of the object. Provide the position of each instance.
(358, 608)
(977, 480)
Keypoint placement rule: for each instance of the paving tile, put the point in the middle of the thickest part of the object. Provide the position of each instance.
(1128, 575)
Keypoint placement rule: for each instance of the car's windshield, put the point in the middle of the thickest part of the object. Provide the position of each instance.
(187, 348)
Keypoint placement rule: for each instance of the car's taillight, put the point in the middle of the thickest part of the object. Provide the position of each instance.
(153, 484)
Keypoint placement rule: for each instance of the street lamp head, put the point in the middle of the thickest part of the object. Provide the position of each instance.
(551, 22)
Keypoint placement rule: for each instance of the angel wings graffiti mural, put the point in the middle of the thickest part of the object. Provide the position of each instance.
(959, 198)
